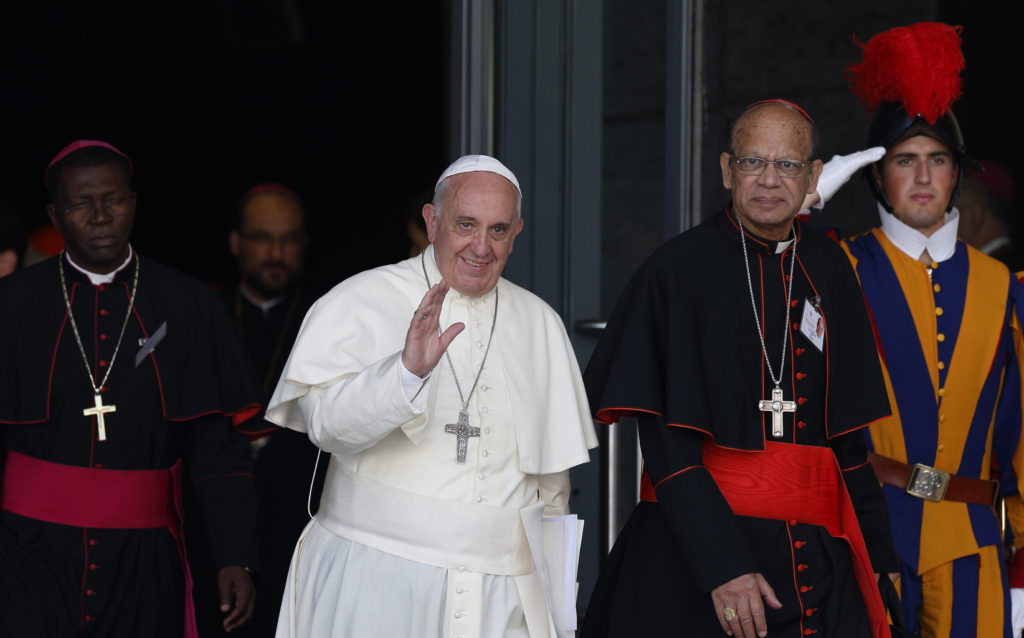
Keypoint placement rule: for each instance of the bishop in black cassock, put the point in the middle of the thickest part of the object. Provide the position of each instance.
(682, 353)
(90, 532)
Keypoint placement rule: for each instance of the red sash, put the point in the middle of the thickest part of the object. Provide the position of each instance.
(793, 482)
(99, 498)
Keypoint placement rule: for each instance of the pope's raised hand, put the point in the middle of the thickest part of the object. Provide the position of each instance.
(425, 343)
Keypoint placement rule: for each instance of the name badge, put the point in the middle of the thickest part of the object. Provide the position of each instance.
(812, 325)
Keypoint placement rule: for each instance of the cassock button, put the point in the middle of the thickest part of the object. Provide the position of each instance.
(801, 567)
(103, 337)
(801, 400)
(487, 430)
(103, 312)
(794, 303)
(89, 618)
(810, 612)
(800, 376)
(801, 424)
(804, 588)
(89, 592)
(93, 567)
(484, 453)
(103, 287)
(799, 544)
(481, 476)
(796, 326)
(799, 351)
(460, 614)
(459, 590)
(808, 632)
(479, 499)
(93, 542)
(103, 363)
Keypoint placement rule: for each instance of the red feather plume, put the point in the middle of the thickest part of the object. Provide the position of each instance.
(918, 66)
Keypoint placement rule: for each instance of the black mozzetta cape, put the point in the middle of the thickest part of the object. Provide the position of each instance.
(681, 353)
(187, 399)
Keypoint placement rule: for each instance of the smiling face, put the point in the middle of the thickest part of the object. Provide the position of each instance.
(918, 176)
(473, 230)
(768, 202)
(94, 212)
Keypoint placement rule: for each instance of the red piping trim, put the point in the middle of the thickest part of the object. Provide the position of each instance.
(677, 473)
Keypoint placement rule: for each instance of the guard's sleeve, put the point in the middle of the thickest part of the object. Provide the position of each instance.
(708, 535)
(220, 468)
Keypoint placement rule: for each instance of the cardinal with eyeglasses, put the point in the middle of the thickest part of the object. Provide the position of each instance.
(759, 513)
(121, 386)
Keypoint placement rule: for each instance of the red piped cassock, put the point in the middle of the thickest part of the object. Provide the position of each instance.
(90, 532)
(722, 497)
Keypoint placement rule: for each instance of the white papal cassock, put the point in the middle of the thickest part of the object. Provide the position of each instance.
(406, 541)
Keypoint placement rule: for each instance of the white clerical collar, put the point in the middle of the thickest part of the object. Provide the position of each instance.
(940, 245)
(97, 278)
(264, 306)
(782, 246)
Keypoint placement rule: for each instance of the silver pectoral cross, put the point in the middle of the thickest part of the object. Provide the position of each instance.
(776, 406)
(462, 430)
(98, 411)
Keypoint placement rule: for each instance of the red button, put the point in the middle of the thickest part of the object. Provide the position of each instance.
(796, 326)
(93, 542)
(104, 312)
(103, 363)
(89, 592)
(93, 566)
(804, 588)
(801, 424)
(103, 287)
(808, 632)
(801, 401)
(799, 544)
(801, 567)
(800, 376)
(103, 337)
(794, 303)
(799, 351)
(89, 618)
(810, 612)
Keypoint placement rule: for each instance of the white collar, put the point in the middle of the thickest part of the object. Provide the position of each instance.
(97, 278)
(940, 245)
(782, 246)
(264, 306)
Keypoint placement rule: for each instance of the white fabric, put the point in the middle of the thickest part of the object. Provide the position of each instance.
(473, 163)
(264, 306)
(343, 384)
(838, 170)
(940, 245)
(97, 278)
(1017, 606)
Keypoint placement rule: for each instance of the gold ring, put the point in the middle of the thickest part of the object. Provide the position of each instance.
(729, 613)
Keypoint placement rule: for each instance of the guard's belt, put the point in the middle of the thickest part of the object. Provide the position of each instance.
(933, 484)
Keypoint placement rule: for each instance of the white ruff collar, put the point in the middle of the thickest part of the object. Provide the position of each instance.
(940, 245)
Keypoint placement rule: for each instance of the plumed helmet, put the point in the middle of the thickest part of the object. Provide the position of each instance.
(909, 78)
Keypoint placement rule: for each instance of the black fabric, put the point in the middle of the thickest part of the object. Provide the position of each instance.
(682, 354)
(682, 341)
(175, 404)
(284, 462)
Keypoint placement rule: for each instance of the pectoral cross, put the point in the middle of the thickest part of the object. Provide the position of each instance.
(98, 411)
(462, 430)
(776, 406)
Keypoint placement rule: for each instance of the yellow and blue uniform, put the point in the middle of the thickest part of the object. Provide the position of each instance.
(949, 339)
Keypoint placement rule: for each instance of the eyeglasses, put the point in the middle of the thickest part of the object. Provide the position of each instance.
(113, 206)
(757, 165)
